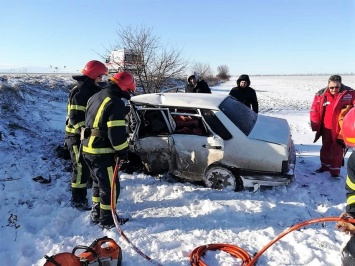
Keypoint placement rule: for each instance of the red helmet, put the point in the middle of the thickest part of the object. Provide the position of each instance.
(94, 68)
(348, 129)
(125, 81)
(63, 259)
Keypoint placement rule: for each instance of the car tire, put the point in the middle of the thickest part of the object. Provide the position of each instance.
(222, 178)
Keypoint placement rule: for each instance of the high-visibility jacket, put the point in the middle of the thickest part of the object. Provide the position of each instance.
(77, 102)
(320, 102)
(106, 112)
(350, 185)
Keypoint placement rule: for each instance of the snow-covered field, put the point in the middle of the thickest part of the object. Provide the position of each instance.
(169, 220)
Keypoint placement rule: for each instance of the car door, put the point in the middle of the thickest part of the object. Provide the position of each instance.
(152, 140)
(193, 151)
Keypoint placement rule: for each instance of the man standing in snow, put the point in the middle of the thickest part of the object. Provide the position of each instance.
(88, 84)
(194, 84)
(245, 94)
(106, 141)
(324, 115)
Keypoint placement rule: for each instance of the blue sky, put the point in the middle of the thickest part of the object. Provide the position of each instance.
(249, 36)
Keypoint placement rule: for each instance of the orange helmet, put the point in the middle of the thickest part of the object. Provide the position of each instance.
(125, 81)
(94, 68)
(348, 129)
(63, 259)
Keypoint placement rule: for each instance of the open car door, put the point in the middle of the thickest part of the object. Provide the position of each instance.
(152, 138)
(194, 148)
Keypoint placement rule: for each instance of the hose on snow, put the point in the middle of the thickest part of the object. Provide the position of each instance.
(237, 252)
(197, 254)
(115, 216)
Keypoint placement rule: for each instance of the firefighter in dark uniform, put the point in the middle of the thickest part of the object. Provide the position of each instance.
(348, 136)
(88, 85)
(106, 140)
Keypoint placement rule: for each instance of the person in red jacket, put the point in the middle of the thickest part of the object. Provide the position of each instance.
(326, 107)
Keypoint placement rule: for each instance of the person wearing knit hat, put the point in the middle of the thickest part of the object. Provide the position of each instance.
(245, 94)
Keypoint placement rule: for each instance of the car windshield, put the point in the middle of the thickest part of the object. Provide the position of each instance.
(242, 116)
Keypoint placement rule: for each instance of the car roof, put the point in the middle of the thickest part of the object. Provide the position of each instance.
(195, 100)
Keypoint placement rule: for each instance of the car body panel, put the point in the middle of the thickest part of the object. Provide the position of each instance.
(271, 129)
(155, 153)
(195, 153)
(262, 154)
(196, 100)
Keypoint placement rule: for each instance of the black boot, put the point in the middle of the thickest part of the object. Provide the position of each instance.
(95, 213)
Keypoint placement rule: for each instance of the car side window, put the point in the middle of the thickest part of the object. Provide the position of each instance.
(215, 124)
(188, 122)
(153, 123)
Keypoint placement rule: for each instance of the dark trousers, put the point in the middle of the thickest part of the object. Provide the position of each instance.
(348, 254)
(331, 153)
(80, 170)
(102, 168)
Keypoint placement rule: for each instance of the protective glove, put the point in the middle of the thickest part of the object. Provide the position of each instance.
(344, 226)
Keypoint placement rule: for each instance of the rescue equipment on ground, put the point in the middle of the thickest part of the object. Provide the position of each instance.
(237, 252)
(102, 252)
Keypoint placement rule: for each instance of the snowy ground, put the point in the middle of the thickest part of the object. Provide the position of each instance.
(169, 220)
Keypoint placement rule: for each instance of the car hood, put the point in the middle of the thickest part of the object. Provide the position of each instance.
(271, 129)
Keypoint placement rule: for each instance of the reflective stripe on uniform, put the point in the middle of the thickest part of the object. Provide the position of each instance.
(71, 130)
(79, 170)
(350, 200)
(110, 176)
(98, 150)
(95, 199)
(77, 107)
(350, 184)
(121, 146)
(99, 112)
(116, 123)
(80, 124)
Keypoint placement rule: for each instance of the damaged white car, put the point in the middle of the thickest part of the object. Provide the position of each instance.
(210, 138)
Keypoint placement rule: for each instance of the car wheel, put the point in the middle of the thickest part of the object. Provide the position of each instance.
(219, 177)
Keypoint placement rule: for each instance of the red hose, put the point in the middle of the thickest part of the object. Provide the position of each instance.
(115, 217)
(237, 252)
(197, 253)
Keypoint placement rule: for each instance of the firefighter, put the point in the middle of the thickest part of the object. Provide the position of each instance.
(106, 140)
(94, 72)
(348, 134)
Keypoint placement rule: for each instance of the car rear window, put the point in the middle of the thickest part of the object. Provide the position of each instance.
(242, 116)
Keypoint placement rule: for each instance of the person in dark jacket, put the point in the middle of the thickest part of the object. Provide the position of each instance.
(194, 84)
(245, 94)
(348, 134)
(106, 141)
(88, 84)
